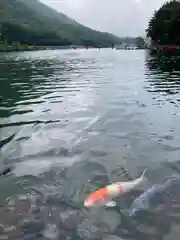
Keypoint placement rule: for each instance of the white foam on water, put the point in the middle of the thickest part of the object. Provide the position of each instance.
(32, 167)
(38, 166)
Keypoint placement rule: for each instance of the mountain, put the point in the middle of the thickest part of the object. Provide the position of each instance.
(48, 12)
(32, 22)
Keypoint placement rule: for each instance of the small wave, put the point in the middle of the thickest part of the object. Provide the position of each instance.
(28, 123)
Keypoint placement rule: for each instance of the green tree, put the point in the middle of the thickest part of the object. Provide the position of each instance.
(164, 26)
(140, 43)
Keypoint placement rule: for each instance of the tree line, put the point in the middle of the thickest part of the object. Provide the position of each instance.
(164, 26)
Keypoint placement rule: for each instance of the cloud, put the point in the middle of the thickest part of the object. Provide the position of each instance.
(121, 17)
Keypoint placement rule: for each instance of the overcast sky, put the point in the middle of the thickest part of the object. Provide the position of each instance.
(121, 17)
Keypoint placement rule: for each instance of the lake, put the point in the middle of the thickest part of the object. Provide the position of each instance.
(72, 121)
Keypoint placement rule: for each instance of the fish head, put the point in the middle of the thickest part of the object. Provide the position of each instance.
(134, 213)
(139, 214)
(97, 198)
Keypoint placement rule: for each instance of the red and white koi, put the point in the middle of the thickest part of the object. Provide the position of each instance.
(104, 196)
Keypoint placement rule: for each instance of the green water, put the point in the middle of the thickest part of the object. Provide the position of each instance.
(75, 120)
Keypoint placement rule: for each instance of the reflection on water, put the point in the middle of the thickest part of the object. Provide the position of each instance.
(164, 73)
(73, 121)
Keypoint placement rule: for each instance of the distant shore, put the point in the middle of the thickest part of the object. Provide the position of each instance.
(26, 47)
(16, 47)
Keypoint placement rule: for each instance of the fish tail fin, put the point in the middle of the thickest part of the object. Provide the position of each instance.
(143, 175)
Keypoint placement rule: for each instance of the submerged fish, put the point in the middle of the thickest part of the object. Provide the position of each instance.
(104, 196)
(154, 196)
(147, 200)
(6, 171)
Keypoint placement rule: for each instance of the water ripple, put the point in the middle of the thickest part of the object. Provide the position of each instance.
(75, 120)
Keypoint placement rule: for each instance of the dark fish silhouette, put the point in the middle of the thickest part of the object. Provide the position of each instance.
(154, 196)
(6, 171)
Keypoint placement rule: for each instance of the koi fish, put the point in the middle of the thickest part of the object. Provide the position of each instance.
(104, 196)
(154, 196)
(147, 201)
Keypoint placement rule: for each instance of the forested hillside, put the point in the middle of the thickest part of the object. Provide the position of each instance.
(31, 22)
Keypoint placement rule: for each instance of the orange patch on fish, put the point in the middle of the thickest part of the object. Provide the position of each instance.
(99, 195)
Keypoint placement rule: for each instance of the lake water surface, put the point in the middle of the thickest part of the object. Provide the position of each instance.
(72, 121)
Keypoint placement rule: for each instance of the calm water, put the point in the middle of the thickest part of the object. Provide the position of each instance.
(75, 120)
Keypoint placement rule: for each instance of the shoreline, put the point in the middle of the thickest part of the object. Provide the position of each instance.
(164, 47)
(22, 48)
(17, 48)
